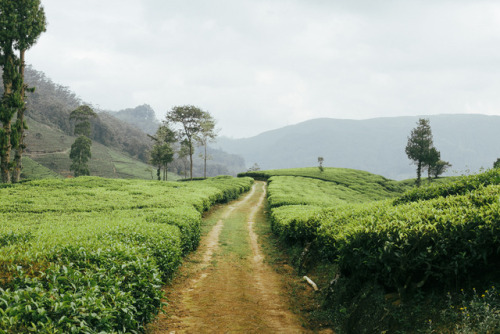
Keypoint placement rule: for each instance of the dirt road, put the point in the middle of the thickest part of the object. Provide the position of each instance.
(226, 287)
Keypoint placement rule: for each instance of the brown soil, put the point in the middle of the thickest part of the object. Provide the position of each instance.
(219, 290)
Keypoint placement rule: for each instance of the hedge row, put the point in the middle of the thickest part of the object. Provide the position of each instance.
(444, 240)
(462, 186)
(89, 255)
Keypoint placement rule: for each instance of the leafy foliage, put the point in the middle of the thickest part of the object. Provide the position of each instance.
(80, 155)
(89, 255)
(430, 240)
(21, 23)
(462, 186)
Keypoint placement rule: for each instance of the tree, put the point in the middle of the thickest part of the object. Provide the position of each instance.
(439, 168)
(190, 118)
(254, 168)
(80, 150)
(81, 117)
(21, 23)
(182, 155)
(207, 134)
(80, 155)
(419, 146)
(431, 161)
(162, 153)
(496, 164)
(320, 162)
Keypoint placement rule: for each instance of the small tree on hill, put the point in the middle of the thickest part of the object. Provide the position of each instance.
(162, 152)
(254, 168)
(320, 162)
(440, 167)
(80, 150)
(190, 119)
(419, 146)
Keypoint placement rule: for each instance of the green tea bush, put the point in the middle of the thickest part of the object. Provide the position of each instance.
(461, 186)
(444, 241)
(370, 185)
(296, 223)
(89, 255)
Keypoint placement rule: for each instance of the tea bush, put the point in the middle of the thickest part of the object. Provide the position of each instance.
(89, 255)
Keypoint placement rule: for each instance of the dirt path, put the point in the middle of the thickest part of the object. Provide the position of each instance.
(226, 287)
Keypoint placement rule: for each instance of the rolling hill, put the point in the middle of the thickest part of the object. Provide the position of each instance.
(468, 142)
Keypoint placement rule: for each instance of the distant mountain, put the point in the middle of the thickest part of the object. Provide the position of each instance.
(468, 142)
(142, 117)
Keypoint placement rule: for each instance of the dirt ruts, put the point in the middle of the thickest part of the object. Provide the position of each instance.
(226, 287)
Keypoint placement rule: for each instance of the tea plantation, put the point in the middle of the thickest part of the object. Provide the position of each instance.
(390, 252)
(89, 255)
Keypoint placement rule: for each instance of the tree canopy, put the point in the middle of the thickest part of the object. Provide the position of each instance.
(191, 119)
(21, 23)
(418, 148)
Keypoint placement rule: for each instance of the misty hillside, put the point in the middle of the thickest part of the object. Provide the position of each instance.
(120, 138)
(377, 145)
(142, 117)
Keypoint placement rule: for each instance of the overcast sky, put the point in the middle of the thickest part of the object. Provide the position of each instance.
(259, 65)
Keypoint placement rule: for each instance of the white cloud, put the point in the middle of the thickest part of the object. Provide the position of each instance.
(257, 65)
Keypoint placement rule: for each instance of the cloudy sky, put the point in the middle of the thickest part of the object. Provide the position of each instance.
(258, 65)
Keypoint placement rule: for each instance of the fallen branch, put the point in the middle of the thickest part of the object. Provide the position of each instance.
(311, 283)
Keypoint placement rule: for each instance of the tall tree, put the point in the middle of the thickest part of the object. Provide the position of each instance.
(21, 23)
(81, 149)
(419, 146)
(207, 134)
(162, 152)
(190, 119)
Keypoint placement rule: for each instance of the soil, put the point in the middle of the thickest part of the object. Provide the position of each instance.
(226, 286)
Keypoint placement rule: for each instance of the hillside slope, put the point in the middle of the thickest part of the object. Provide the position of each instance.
(377, 145)
(50, 148)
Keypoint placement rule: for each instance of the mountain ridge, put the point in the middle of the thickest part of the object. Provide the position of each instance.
(467, 141)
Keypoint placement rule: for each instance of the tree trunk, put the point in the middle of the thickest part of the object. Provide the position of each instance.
(6, 117)
(6, 148)
(191, 160)
(419, 172)
(18, 157)
(205, 160)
